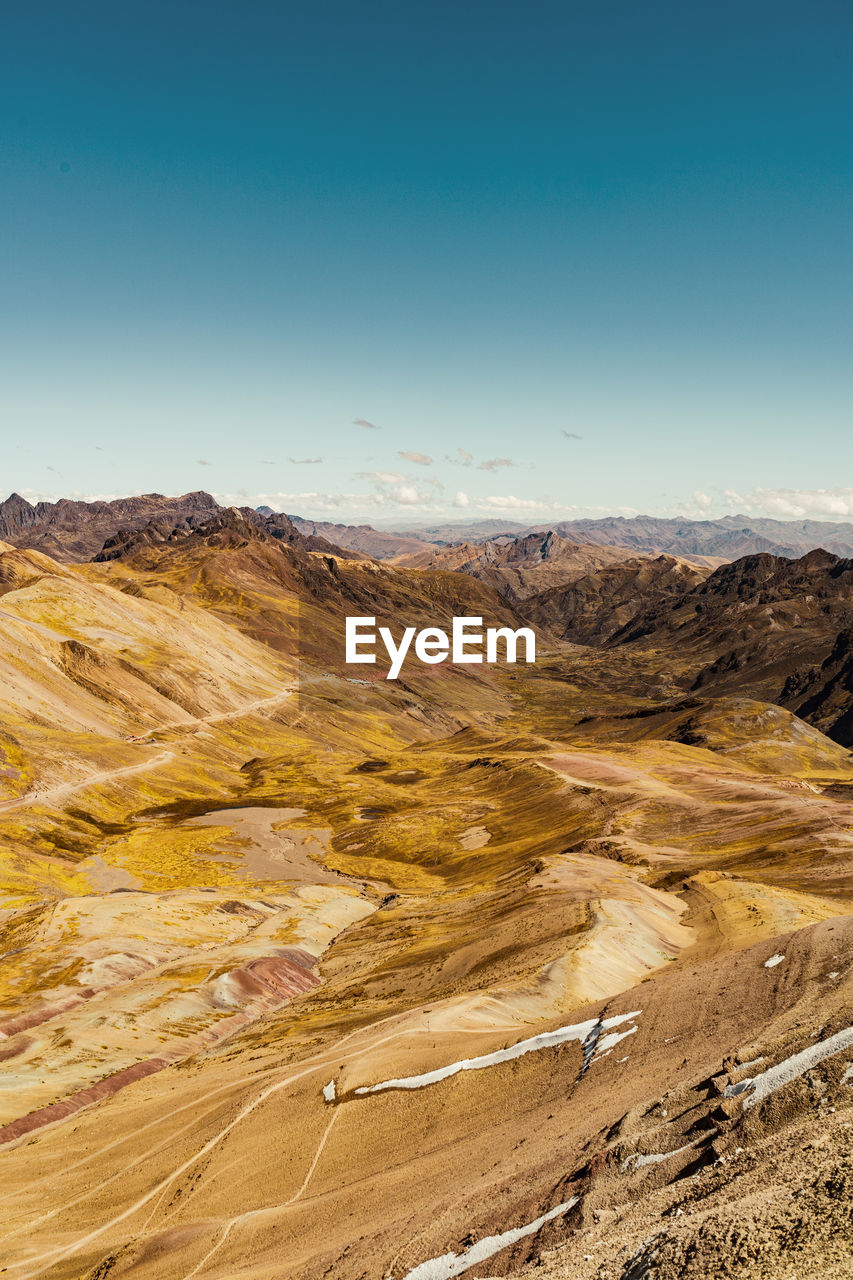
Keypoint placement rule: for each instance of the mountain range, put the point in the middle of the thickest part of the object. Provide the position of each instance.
(71, 529)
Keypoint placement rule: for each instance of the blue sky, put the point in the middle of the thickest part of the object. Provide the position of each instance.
(582, 258)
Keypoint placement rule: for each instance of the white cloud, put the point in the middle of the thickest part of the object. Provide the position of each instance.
(793, 504)
(362, 422)
(395, 487)
(461, 499)
(382, 477)
(572, 435)
(297, 502)
(492, 464)
(509, 502)
(305, 462)
(421, 459)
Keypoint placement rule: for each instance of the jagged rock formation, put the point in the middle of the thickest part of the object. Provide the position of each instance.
(231, 522)
(703, 541)
(517, 567)
(728, 538)
(73, 531)
(594, 607)
(765, 625)
(360, 538)
(823, 694)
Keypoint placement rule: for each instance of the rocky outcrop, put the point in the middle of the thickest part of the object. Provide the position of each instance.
(823, 694)
(595, 607)
(75, 531)
(229, 526)
(729, 538)
(517, 567)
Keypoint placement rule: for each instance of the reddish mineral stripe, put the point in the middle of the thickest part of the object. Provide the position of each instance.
(268, 982)
(67, 1106)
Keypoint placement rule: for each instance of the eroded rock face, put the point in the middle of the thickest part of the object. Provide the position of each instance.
(766, 626)
(604, 605)
(517, 567)
(728, 538)
(823, 694)
(73, 531)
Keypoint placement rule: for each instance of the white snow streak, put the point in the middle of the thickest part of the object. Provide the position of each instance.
(783, 1073)
(453, 1264)
(657, 1157)
(329, 1091)
(581, 1032)
(773, 961)
(607, 1043)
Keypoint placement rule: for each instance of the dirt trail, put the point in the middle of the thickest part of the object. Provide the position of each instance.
(320, 1061)
(216, 717)
(65, 789)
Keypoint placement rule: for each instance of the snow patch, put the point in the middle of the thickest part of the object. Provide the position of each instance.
(329, 1091)
(773, 961)
(606, 1043)
(454, 1264)
(586, 1033)
(732, 1090)
(784, 1072)
(657, 1157)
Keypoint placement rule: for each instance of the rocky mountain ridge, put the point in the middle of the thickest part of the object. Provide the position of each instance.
(708, 542)
(776, 628)
(517, 567)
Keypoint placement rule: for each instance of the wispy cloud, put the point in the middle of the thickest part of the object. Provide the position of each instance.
(572, 435)
(202, 462)
(463, 460)
(509, 502)
(492, 464)
(305, 462)
(345, 504)
(421, 459)
(362, 422)
(381, 477)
